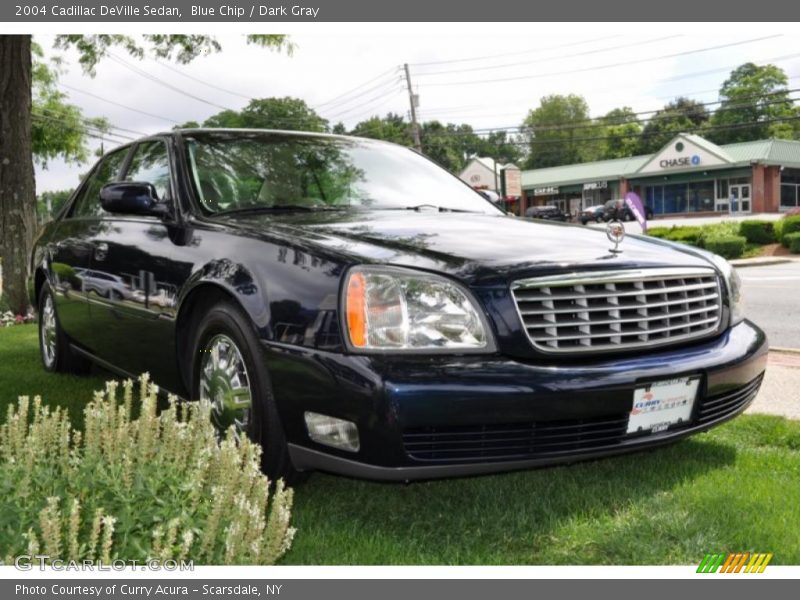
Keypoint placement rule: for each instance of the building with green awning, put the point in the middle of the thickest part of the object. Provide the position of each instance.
(689, 175)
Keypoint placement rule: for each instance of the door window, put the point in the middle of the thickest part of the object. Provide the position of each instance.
(150, 164)
(88, 203)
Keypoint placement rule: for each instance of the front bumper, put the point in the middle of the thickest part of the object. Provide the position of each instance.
(579, 408)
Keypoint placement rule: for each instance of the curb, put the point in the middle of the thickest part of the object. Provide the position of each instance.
(779, 350)
(740, 263)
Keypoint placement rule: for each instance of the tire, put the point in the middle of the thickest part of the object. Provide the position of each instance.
(54, 346)
(225, 330)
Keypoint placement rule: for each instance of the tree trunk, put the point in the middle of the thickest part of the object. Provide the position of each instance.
(17, 184)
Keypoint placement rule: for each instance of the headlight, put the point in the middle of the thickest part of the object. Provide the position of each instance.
(395, 309)
(734, 286)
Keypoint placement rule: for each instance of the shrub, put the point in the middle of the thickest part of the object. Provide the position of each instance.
(158, 486)
(728, 246)
(789, 224)
(758, 232)
(717, 230)
(685, 234)
(659, 232)
(793, 242)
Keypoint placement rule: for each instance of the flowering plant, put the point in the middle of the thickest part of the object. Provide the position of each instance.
(8, 318)
(160, 486)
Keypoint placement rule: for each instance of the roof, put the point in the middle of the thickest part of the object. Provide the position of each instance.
(769, 152)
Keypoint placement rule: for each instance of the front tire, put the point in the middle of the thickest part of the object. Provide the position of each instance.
(54, 347)
(228, 372)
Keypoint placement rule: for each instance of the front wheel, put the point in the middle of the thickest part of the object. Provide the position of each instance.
(228, 372)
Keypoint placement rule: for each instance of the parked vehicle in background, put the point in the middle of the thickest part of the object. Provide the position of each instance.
(617, 210)
(592, 214)
(548, 213)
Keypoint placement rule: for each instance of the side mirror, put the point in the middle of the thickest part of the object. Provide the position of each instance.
(132, 198)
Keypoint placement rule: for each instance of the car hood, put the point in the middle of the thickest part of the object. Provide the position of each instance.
(471, 246)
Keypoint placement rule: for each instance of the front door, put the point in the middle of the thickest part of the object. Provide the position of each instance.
(134, 285)
(740, 200)
(71, 256)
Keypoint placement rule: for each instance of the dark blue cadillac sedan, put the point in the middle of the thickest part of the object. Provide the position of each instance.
(356, 309)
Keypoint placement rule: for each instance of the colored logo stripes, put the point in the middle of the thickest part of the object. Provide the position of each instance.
(736, 562)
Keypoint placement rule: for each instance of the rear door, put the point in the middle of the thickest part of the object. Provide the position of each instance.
(72, 248)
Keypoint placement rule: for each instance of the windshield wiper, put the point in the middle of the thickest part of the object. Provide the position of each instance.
(441, 209)
(276, 208)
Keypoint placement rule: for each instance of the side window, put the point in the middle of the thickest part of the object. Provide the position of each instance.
(88, 203)
(150, 164)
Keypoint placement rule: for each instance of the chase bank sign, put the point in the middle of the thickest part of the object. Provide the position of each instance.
(681, 161)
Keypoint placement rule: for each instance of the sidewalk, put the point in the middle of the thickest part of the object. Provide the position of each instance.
(780, 392)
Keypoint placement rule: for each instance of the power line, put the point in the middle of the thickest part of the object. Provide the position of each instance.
(201, 81)
(518, 53)
(595, 122)
(603, 67)
(85, 130)
(621, 136)
(617, 89)
(88, 121)
(380, 96)
(115, 103)
(600, 121)
(347, 93)
(370, 112)
(384, 84)
(541, 60)
(169, 86)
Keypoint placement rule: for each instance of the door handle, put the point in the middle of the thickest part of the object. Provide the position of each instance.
(100, 251)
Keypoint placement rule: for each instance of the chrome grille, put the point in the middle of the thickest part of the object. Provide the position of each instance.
(617, 310)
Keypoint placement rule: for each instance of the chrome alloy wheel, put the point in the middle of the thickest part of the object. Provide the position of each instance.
(48, 331)
(225, 385)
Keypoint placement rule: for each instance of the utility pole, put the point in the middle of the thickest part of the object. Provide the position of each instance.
(414, 100)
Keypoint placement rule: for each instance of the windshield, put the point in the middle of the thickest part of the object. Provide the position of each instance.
(271, 171)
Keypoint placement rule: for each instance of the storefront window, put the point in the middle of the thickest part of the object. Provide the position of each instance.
(675, 198)
(654, 198)
(722, 189)
(790, 176)
(789, 192)
(701, 196)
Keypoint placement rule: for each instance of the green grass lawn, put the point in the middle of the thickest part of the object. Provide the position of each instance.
(733, 489)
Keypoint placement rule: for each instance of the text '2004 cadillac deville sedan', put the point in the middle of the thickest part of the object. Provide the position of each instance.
(356, 309)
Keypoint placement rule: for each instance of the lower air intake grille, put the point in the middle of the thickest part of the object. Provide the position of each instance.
(618, 310)
(722, 405)
(513, 441)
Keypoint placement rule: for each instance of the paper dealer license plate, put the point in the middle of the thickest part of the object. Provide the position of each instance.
(663, 403)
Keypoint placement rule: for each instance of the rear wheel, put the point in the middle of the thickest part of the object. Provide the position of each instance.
(54, 346)
(228, 372)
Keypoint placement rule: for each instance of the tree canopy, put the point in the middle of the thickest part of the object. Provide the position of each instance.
(755, 104)
(552, 129)
(269, 113)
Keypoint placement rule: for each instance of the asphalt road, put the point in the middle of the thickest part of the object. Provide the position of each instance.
(772, 301)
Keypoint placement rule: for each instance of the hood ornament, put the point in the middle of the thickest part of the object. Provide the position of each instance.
(615, 231)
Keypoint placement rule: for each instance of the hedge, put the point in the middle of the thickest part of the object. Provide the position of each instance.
(758, 232)
(728, 246)
(789, 225)
(793, 242)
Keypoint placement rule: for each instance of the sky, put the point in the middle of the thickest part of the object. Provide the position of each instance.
(487, 81)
